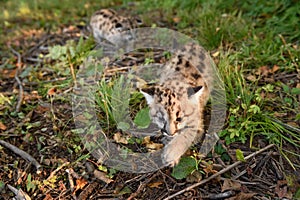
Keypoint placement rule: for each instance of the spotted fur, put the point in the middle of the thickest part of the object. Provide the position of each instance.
(177, 102)
(107, 24)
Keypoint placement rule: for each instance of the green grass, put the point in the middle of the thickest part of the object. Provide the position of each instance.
(247, 35)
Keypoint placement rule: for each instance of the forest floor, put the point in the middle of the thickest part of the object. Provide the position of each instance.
(256, 49)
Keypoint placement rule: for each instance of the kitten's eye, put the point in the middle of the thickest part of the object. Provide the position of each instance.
(178, 119)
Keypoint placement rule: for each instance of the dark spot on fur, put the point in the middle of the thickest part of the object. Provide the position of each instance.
(179, 62)
(178, 119)
(187, 64)
(196, 76)
(177, 69)
(201, 55)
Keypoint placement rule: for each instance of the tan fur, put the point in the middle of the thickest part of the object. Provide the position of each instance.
(177, 103)
(106, 24)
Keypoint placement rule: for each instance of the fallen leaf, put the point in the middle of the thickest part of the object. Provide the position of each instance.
(120, 139)
(154, 146)
(146, 140)
(216, 54)
(51, 91)
(155, 185)
(242, 196)
(208, 168)
(48, 197)
(230, 185)
(275, 68)
(151, 145)
(62, 186)
(277, 114)
(32, 96)
(263, 70)
(2, 126)
(176, 19)
(251, 78)
(80, 183)
(102, 176)
(194, 177)
(281, 188)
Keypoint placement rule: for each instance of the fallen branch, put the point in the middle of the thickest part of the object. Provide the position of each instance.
(21, 91)
(219, 173)
(23, 154)
(141, 187)
(20, 194)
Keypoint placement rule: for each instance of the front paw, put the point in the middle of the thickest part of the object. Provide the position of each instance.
(172, 154)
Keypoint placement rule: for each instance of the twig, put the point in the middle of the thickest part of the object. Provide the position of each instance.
(20, 194)
(141, 187)
(23, 154)
(56, 170)
(219, 173)
(21, 91)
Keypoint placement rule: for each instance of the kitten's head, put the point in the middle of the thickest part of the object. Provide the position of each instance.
(171, 110)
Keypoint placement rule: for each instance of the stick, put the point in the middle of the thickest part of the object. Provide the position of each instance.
(21, 91)
(219, 173)
(23, 154)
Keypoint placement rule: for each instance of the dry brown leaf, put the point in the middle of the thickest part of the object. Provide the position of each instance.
(194, 177)
(146, 140)
(216, 54)
(230, 185)
(52, 91)
(48, 197)
(62, 186)
(32, 96)
(151, 145)
(155, 185)
(154, 146)
(294, 124)
(102, 176)
(275, 68)
(120, 139)
(251, 77)
(2, 126)
(41, 109)
(281, 188)
(263, 70)
(242, 196)
(208, 168)
(176, 19)
(80, 183)
(12, 73)
(277, 114)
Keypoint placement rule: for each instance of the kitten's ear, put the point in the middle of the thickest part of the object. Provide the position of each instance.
(194, 93)
(148, 94)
